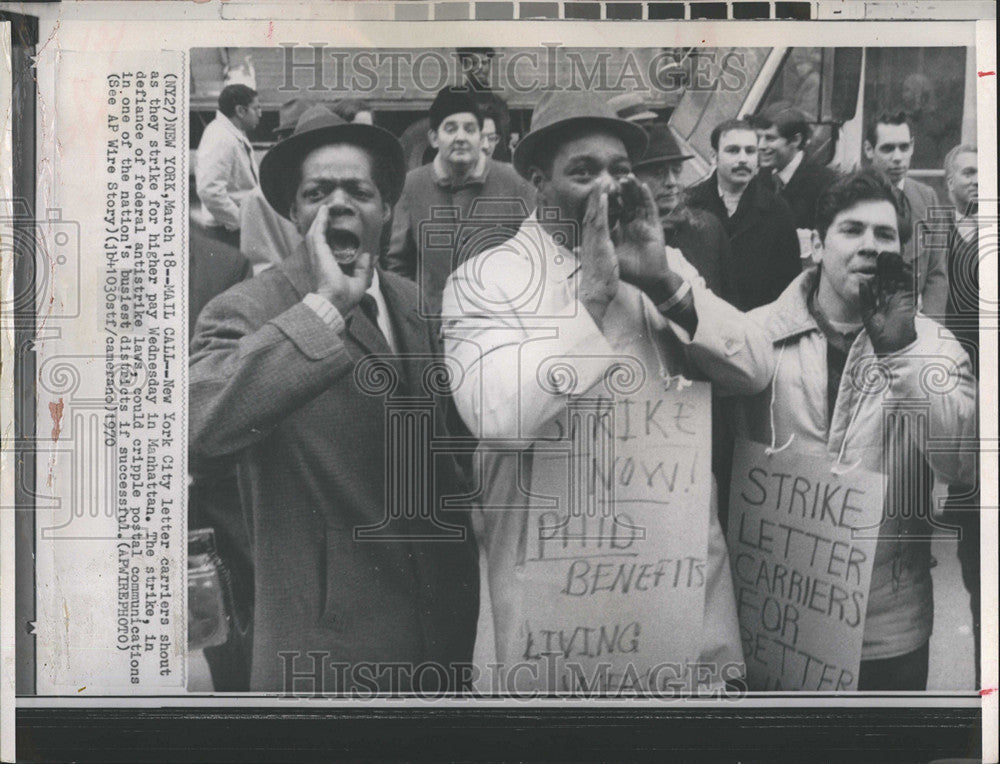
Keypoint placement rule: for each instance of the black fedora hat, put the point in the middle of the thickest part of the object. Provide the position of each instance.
(558, 110)
(662, 147)
(320, 128)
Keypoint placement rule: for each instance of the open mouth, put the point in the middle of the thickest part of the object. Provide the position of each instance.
(345, 244)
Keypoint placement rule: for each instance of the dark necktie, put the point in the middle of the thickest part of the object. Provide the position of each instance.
(370, 308)
(779, 185)
(905, 216)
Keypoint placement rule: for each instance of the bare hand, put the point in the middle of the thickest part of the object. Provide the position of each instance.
(598, 264)
(639, 241)
(889, 303)
(344, 290)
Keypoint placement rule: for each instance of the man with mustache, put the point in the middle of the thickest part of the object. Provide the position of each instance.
(437, 222)
(835, 329)
(761, 229)
(275, 380)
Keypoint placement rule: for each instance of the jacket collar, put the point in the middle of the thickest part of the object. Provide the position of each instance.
(706, 194)
(443, 177)
(227, 123)
(789, 315)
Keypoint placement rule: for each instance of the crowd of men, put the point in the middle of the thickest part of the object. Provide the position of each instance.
(773, 279)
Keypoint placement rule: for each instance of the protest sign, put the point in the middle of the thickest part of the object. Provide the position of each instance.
(615, 562)
(801, 576)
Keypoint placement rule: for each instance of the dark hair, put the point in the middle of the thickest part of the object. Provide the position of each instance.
(382, 173)
(789, 121)
(885, 118)
(863, 186)
(233, 96)
(349, 108)
(453, 101)
(727, 126)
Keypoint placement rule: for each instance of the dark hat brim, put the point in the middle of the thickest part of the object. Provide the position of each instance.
(285, 157)
(658, 160)
(632, 135)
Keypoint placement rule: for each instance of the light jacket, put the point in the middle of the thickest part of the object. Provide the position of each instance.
(226, 171)
(507, 315)
(927, 385)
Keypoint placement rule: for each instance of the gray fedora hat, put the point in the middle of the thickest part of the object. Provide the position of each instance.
(289, 113)
(320, 127)
(662, 147)
(559, 110)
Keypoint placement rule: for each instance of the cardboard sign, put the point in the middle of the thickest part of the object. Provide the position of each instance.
(801, 576)
(613, 569)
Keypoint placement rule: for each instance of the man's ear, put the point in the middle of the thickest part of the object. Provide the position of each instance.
(538, 177)
(817, 246)
(293, 213)
(869, 150)
(386, 212)
(432, 137)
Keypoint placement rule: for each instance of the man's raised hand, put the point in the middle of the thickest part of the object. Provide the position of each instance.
(598, 263)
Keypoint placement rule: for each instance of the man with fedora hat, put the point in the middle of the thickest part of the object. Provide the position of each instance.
(632, 108)
(275, 379)
(697, 233)
(266, 238)
(541, 325)
(452, 199)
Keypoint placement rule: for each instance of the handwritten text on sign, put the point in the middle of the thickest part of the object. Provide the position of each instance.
(616, 566)
(801, 578)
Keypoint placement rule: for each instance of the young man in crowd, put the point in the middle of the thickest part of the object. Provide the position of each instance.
(435, 226)
(603, 288)
(760, 226)
(835, 329)
(783, 132)
(889, 148)
(226, 171)
(273, 380)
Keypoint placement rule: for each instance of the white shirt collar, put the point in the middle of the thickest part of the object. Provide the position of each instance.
(901, 182)
(790, 168)
(967, 226)
(375, 290)
(730, 200)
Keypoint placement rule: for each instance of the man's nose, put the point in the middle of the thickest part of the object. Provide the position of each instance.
(339, 201)
(868, 242)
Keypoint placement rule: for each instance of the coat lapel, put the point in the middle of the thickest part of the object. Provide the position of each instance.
(412, 336)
